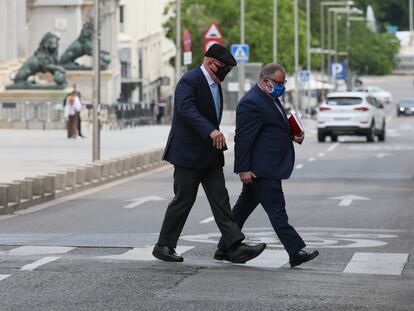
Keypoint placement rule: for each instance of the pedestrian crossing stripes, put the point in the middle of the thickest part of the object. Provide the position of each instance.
(376, 263)
(143, 253)
(38, 263)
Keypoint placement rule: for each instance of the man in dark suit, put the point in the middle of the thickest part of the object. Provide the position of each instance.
(195, 147)
(264, 155)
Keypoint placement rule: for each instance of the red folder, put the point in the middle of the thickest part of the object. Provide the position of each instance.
(296, 128)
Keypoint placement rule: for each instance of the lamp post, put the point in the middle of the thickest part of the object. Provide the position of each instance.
(410, 10)
(308, 53)
(274, 31)
(336, 12)
(241, 65)
(178, 41)
(96, 83)
(296, 40)
(323, 49)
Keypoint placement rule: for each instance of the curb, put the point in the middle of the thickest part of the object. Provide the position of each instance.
(21, 194)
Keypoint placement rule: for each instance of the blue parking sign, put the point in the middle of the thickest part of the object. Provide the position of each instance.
(338, 71)
(240, 52)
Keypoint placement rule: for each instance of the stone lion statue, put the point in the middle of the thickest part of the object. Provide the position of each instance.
(44, 60)
(80, 47)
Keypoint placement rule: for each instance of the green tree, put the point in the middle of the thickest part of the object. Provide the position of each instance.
(370, 52)
(388, 12)
(197, 16)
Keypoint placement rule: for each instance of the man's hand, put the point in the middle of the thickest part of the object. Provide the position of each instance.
(299, 138)
(247, 177)
(219, 141)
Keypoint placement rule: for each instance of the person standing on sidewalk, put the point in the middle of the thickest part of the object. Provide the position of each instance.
(76, 89)
(195, 147)
(264, 155)
(72, 108)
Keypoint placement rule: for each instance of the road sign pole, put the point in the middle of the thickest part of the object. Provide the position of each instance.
(410, 4)
(178, 42)
(97, 84)
(308, 58)
(274, 31)
(241, 65)
(296, 39)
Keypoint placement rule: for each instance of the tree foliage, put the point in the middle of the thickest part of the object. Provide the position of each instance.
(370, 52)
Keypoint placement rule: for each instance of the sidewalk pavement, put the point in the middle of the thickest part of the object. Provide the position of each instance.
(27, 153)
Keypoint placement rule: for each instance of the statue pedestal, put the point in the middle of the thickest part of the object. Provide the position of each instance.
(109, 85)
(32, 109)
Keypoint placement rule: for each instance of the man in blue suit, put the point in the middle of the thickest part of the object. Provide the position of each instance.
(264, 155)
(195, 147)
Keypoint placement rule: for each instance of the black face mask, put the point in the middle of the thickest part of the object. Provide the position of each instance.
(222, 72)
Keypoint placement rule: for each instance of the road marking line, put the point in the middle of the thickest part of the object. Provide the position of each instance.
(143, 253)
(299, 166)
(4, 276)
(38, 263)
(332, 147)
(321, 154)
(207, 220)
(311, 159)
(377, 263)
(139, 201)
(269, 259)
(37, 250)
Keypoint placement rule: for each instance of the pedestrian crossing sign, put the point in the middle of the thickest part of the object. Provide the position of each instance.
(240, 52)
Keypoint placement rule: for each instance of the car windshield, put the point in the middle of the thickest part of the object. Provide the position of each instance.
(407, 102)
(343, 101)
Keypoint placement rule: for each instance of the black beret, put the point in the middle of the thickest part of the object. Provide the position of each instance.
(220, 53)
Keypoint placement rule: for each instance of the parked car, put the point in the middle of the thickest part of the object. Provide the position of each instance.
(351, 113)
(381, 95)
(405, 107)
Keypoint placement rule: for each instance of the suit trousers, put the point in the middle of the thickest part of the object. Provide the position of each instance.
(186, 183)
(269, 193)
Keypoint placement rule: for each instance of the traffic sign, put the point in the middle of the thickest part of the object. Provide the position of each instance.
(240, 52)
(187, 45)
(338, 71)
(213, 32)
(207, 44)
(305, 75)
(188, 58)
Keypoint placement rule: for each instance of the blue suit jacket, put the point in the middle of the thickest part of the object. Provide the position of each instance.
(263, 143)
(189, 143)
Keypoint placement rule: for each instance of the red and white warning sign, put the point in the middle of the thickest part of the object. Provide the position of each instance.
(213, 32)
(207, 44)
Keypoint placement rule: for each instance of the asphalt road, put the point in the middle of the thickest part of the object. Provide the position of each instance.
(351, 200)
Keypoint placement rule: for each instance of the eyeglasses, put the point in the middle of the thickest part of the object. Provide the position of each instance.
(277, 82)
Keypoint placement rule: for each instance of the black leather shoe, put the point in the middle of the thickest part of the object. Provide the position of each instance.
(222, 255)
(166, 253)
(301, 257)
(246, 252)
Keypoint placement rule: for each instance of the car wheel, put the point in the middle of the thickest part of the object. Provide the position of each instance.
(371, 133)
(334, 138)
(381, 135)
(321, 137)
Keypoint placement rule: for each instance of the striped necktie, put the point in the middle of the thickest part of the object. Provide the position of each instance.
(216, 98)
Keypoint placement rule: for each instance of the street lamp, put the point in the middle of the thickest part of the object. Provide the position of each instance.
(336, 12)
(96, 153)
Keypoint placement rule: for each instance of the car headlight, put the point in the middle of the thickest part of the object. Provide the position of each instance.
(402, 108)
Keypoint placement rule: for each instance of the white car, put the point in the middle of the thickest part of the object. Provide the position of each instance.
(381, 95)
(351, 113)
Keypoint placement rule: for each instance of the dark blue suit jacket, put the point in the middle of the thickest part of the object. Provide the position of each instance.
(263, 143)
(189, 143)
